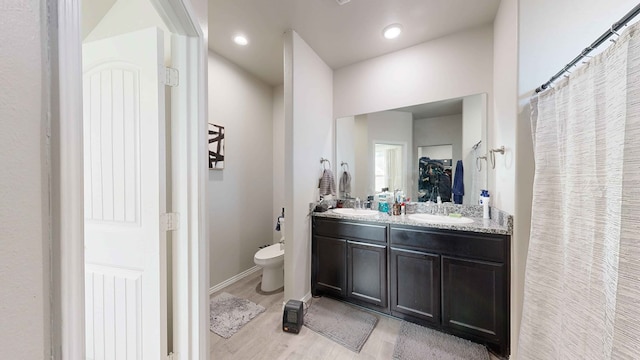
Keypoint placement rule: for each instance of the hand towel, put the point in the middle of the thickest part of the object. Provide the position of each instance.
(458, 183)
(327, 183)
(345, 183)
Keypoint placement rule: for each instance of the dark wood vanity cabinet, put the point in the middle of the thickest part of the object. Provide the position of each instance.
(453, 281)
(464, 276)
(349, 261)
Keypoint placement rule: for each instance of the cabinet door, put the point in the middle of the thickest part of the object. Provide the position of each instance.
(474, 298)
(415, 285)
(329, 263)
(367, 273)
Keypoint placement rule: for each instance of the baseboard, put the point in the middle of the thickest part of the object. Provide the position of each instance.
(305, 299)
(233, 279)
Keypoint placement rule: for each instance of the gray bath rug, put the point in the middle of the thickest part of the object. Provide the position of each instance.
(342, 323)
(421, 343)
(227, 314)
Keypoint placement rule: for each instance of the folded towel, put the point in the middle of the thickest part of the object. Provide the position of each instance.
(327, 183)
(345, 183)
(458, 183)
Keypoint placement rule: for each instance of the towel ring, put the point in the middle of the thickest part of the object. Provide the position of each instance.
(344, 164)
(479, 162)
(322, 161)
(493, 152)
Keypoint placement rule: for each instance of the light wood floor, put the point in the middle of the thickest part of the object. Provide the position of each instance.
(263, 338)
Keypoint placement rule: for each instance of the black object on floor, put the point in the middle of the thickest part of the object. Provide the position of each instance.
(293, 316)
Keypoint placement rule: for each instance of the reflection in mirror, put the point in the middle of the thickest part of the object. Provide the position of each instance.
(389, 172)
(435, 173)
(422, 131)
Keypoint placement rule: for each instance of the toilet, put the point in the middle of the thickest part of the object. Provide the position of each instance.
(271, 260)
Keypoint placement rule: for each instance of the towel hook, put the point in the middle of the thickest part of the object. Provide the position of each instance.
(493, 155)
(322, 161)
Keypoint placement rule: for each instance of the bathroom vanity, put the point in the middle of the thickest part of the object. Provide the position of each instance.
(452, 278)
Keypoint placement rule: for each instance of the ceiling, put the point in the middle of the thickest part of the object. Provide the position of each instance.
(340, 34)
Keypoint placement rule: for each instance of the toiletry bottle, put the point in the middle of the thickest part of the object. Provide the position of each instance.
(484, 198)
(383, 200)
(397, 208)
(391, 200)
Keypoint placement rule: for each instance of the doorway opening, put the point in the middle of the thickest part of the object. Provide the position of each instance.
(184, 166)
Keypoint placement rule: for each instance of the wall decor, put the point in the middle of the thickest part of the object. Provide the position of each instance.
(216, 147)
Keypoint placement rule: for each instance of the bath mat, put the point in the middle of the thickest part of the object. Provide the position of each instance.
(342, 323)
(421, 343)
(228, 314)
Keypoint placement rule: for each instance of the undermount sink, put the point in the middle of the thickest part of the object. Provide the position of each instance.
(439, 219)
(355, 212)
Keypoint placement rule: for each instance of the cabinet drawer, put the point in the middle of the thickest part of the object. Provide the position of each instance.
(480, 246)
(350, 230)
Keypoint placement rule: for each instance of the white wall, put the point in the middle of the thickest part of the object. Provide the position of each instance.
(127, 16)
(24, 228)
(244, 189)
(449, 67)
(278, 157)
(502, 131)
(93, 13)
(550, 34)
(308, 137)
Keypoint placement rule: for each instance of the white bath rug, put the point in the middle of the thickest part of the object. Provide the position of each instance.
(416, 342)
(340, 322)
(228, 314)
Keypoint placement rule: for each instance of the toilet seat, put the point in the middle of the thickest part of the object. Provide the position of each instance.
(271, 252)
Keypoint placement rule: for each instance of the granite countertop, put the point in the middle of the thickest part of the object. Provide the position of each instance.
(500, 223)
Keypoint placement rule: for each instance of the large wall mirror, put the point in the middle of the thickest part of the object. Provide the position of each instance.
(418, 149)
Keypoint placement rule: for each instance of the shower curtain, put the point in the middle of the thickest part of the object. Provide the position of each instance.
(582, 281)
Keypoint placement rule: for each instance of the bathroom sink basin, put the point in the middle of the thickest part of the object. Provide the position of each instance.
(356, 212)
(439, 219)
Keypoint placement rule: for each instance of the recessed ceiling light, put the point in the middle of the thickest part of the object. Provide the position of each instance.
(392, 31)
(240, 40)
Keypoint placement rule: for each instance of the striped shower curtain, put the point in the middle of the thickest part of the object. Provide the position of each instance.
(582, 281)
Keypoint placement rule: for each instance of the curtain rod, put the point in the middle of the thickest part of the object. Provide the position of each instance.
(607, 34)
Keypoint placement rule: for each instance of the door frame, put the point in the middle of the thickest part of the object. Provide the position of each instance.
(189, 147)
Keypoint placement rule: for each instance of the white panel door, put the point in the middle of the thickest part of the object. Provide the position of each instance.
(125, 195)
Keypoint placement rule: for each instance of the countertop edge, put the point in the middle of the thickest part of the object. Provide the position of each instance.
(479, 225)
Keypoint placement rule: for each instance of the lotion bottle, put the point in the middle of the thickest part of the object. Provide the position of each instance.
(484, 200)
